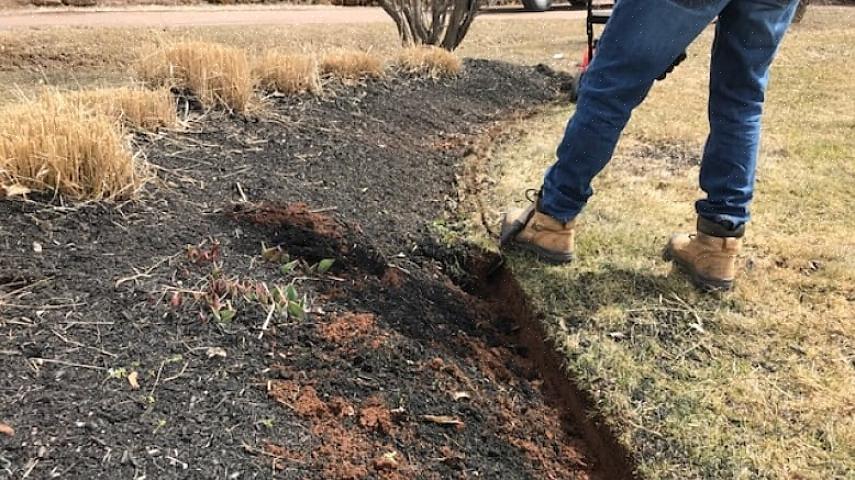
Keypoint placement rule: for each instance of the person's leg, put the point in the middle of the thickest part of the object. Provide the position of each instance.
(747, 37)
(640, 41)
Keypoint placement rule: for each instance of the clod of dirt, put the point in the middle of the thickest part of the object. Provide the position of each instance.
(281, 456)
(308, 404)
(342, 453)
(341, 407)
(387, 463)
(347, 327)
(294, 214)
(376, 416)
(393, 278)
(312, 235)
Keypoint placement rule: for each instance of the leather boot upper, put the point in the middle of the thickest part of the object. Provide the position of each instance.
(545, 232)
(709, 256)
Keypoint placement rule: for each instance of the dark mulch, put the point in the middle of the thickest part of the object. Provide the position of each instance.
(393, 371)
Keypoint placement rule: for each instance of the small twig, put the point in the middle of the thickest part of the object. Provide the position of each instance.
(29, 467)
(66, 340)
(67, 364)
(237, 172)
(74, 322)
(642, 427)
(268, 454)
(169, 379)
(267, 321)
(43, 307)
(146, 273)
(241, 193)
(157, 379)
(324, 210)
(183, 465)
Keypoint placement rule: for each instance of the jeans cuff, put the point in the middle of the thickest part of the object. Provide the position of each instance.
(718, 229)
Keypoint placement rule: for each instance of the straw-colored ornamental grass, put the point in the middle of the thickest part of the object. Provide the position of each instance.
(216, 74)
(352, 65)
(55, 145)
(135, 107)
(288, 73)
(431, 61)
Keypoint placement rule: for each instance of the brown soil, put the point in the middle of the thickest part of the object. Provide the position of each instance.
(345, 328)
(509, 302)
(296, 215)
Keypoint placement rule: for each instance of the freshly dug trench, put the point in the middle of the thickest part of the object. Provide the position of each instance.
(509, 303)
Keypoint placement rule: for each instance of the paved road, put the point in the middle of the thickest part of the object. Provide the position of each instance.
(243, 15)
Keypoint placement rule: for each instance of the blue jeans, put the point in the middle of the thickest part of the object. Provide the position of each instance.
(640, 41)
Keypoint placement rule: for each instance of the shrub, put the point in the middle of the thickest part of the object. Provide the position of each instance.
(288, 73)
(216, 74)
(135, 107)
(428, 60)
(54, 144)
(352, 64)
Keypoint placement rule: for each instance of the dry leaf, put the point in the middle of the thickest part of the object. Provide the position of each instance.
(443, 420)
(15, 190)
(216, 352)
(175, 301)
(6, 430)
(461, 396)
(133, 380)
(387, 462)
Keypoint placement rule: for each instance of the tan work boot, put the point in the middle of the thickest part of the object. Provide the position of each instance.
(527, 228)
(709, 257)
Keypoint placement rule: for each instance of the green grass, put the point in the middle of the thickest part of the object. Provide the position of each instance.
(755, 384)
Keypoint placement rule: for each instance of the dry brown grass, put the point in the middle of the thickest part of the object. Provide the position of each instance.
(428, 60)
(135, 107)
(352, 64)
(288, 73)
(216, 74)
(53, 144)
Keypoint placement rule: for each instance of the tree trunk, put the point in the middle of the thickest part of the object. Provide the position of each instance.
(442, 23)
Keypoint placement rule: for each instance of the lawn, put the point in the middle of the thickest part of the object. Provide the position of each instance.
(754, 384)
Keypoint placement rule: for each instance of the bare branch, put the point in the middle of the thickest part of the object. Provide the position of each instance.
(442, 23)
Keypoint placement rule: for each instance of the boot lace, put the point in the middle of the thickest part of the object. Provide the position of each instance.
(532, 195)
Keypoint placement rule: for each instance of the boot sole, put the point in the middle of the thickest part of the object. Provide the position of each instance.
(552, 258)
(507, 240)
(706, 285)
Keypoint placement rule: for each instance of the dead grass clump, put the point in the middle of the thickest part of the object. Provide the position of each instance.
(288, 73)
(431, 61)
(135, 107)
(216, 74)
(352, 65)
(53, 144)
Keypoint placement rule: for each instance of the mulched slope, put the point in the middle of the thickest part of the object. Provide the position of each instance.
(394, 373)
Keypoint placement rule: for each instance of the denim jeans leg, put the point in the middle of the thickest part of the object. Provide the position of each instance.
(747, 37)
(642, 38)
